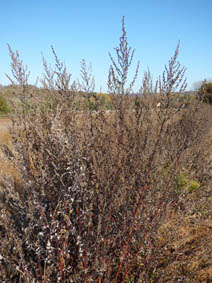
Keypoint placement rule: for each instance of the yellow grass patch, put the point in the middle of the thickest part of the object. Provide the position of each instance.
(7, 169)
(187, 249)
(5, 139)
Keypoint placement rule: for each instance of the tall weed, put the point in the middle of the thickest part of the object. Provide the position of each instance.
(96, 185)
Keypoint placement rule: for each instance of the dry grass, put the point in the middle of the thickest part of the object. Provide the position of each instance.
(6, 168)
(5, 123)
(187, 250)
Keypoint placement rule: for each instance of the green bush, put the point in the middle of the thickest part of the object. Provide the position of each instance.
(205, 92)
(4, 108)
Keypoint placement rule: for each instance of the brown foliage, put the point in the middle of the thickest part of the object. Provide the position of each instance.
(96, 186)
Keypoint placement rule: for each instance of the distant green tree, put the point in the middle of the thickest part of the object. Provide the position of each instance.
(205, 92)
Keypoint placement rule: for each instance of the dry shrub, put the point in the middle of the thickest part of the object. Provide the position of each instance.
(96, 186)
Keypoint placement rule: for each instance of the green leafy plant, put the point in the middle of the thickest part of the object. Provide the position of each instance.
(4, 107)
(184, 182)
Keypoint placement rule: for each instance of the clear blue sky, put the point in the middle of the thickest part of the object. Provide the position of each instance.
(89, 29)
